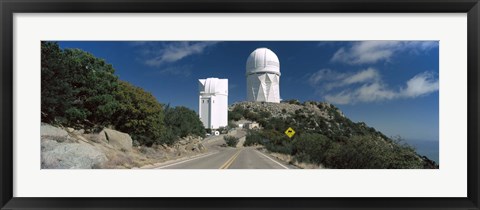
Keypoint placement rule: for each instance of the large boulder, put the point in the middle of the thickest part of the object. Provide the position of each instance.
(57, 155)
(53, 133)
(117, 138)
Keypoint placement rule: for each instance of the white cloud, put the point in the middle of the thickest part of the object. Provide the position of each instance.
(421, 45)
(368, 52)
(176, 51)
(366, 86)
(421, 84)
(329, 79)
(371, 92)
(324, 75)
(340, 98)
(362, 76)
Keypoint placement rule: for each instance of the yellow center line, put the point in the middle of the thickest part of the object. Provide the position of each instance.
(230, 161)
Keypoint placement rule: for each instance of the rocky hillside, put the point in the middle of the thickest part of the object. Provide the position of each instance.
(320, 117)
(286, 109)
(67, 148)
(328, 130)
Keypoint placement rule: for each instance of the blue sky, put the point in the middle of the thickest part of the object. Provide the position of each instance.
(390, 85)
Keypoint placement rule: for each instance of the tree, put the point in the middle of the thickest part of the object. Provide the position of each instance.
(76, 88)
(140, 115)
(94, 85)
(81, 90)
(56, 92)
(183, 122)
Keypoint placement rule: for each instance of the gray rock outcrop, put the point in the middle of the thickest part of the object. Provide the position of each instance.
(287, 109)
(53, 133)
(116, 138)
(57, 155)
(67, 148)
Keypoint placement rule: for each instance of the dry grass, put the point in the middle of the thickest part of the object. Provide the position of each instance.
(291, 160)
(135, 157)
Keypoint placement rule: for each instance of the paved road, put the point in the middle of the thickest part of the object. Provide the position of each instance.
(253, 159)
(229, 158)
(222, 157)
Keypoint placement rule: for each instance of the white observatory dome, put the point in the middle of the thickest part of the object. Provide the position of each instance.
(263, 60)
(263, 76)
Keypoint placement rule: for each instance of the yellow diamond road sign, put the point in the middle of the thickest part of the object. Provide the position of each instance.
(290, 132)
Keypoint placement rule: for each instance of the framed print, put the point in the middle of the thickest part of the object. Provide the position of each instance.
(239, 105)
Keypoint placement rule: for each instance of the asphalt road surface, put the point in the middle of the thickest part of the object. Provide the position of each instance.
(220, 156)
(253, 159)
(229, 158)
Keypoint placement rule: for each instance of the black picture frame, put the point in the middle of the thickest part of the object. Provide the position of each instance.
(10, 7)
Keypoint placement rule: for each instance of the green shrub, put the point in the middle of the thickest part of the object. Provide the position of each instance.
(253, 138)
(284, 147)
(140, 115)
(252, 116)
(231, 124)
(235, 116)
(311, 147)
(292, 101)
(169, 138)
(231, 141)
(277, 124)
(371, 152)
(354, 152)
(276, 141)
(183, 122)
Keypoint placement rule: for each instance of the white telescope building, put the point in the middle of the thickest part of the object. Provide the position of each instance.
(263, 76)
(213, 102)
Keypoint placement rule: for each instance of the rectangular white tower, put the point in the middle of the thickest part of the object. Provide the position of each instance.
(213, 102)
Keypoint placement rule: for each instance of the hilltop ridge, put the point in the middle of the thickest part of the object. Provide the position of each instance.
(335, 139)
(322, 117)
